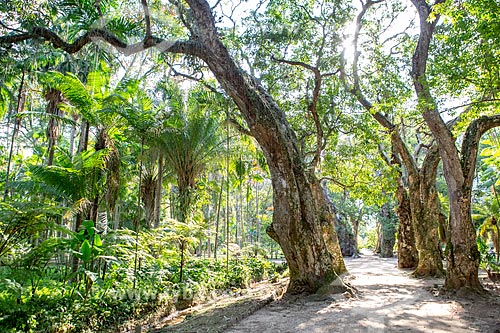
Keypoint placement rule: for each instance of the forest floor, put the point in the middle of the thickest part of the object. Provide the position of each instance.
(388, 300)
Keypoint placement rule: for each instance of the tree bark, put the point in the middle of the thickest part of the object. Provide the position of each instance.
(388, 232)
(426, 214)
(407, 250)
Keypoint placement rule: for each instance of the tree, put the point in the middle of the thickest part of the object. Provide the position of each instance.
(302, 223)
(458, 166)
(422, 205)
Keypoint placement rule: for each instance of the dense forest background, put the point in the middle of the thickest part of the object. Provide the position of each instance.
(139, 167)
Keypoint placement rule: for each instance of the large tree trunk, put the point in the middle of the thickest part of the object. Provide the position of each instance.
(302, 223)
(429, 263)
(347, 238)
(463, 255)
(425, 207)
(388, 232)
(407, 250)
(426, 210)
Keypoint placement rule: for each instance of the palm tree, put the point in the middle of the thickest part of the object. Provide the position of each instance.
(187, 150)
(187, 146)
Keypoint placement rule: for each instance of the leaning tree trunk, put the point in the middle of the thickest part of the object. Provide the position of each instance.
(428, 262)
(302, 223)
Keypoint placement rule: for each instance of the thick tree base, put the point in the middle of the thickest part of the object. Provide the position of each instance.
(430, 264)
(407, 256)
(463, 286)
(338, 286)
(427, 271)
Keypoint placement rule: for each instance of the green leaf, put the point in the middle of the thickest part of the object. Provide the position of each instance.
(85, 251)
(97, 240)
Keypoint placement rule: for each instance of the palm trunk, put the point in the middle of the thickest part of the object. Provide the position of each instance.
(54, 98)
(84, 136)
(72, 136)
(217, 220)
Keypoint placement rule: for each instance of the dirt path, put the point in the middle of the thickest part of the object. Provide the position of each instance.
(389, 301)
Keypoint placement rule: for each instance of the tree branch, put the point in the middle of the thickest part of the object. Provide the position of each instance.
(470, 143)
(93, 35)
(240, 128)
(313, 106)
(192, 78)
(147, 18)
(11, 29)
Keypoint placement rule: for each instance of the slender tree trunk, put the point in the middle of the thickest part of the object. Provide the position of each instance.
(217, 220)
(148, 197)
(21, 98)
(116, 218)
(355, 229)
(158, 193)
(208, 217)
(72, 136)
(84, 136)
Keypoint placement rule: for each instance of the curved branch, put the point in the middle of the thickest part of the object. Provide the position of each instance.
(313, 106)
(186, 47)
(470, 143)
